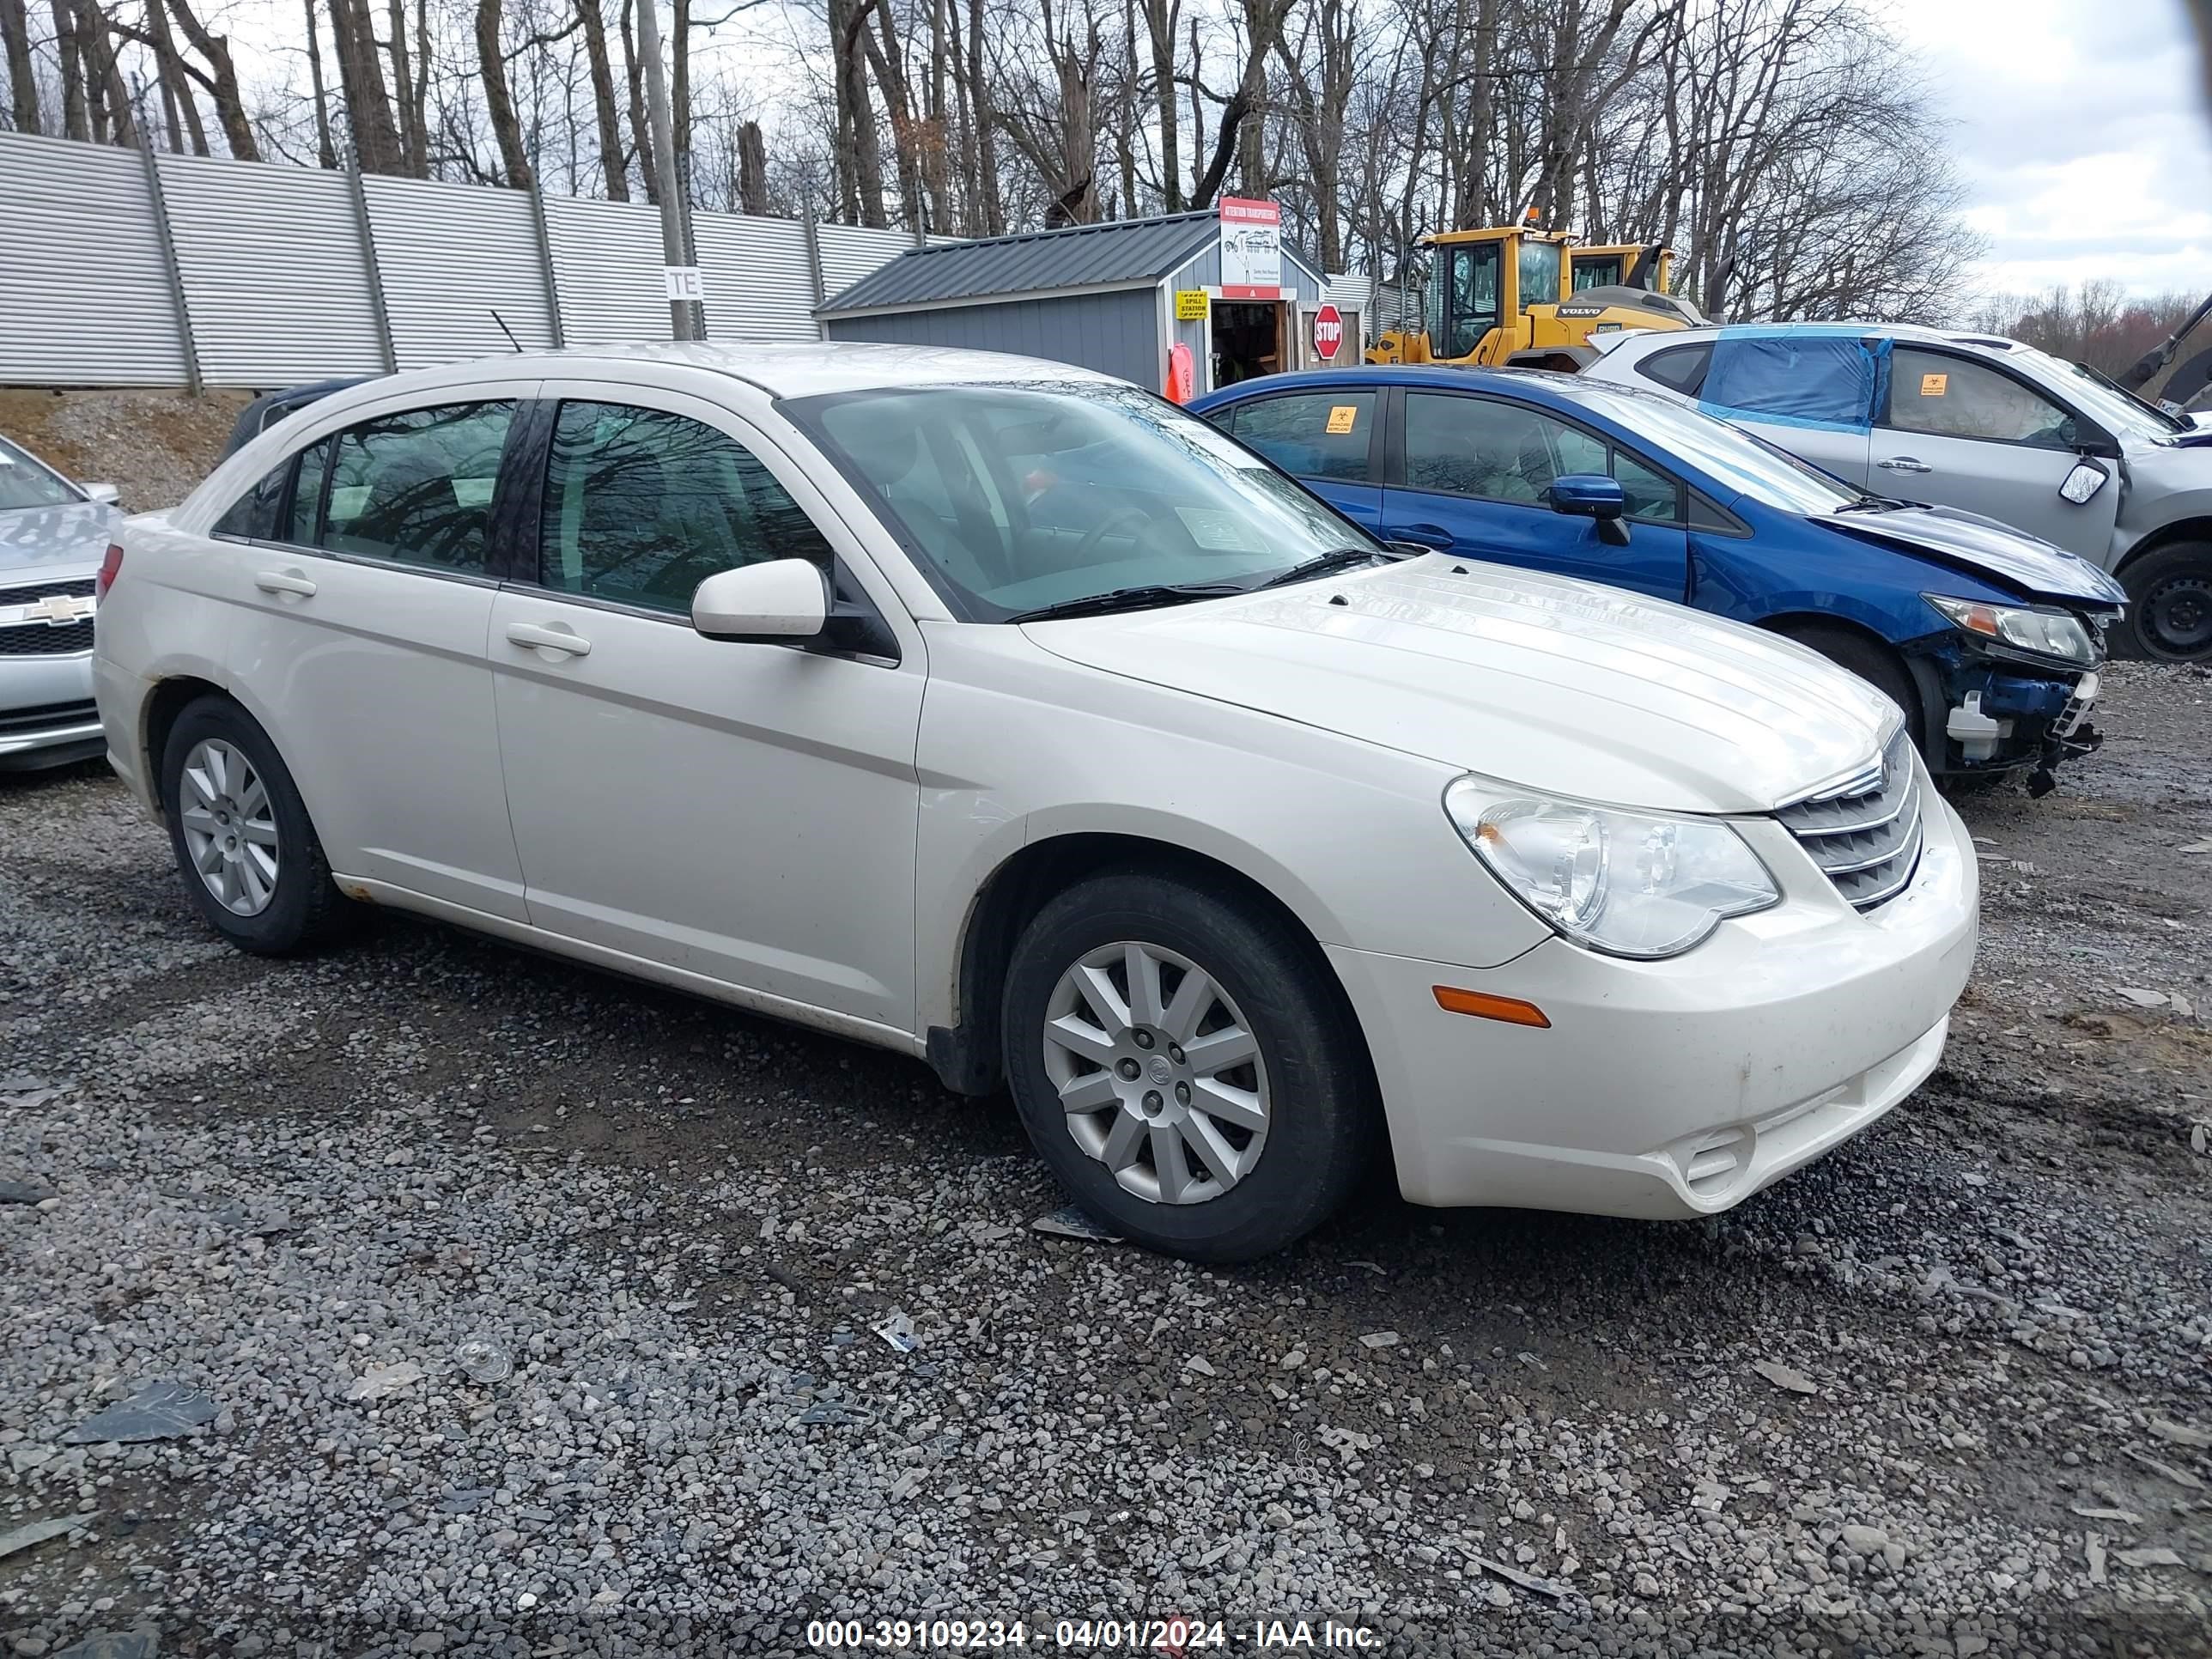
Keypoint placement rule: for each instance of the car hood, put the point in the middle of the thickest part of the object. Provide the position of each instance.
(1560, 686)
(1982, 547)
(72, 535)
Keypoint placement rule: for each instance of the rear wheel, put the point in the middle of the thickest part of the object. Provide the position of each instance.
(2169, 605)
(1185, 1065)
(1873, 662)
(250, 858)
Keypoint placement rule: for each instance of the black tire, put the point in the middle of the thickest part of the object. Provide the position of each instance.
(1323, 1117)
(2169, 605)
(1875, 663)
(305, 908)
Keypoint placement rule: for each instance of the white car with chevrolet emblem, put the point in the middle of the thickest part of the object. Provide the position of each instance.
(52, 535)
(1002, 714)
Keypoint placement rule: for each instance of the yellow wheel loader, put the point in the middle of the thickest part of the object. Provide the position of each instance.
(1502, 297)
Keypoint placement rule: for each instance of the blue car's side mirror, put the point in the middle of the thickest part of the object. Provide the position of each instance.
(1593, 495)
(1588, 495)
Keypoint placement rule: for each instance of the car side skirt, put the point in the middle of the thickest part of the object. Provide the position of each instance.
(871, 1032)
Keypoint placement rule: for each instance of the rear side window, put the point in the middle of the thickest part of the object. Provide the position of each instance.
(1319, 435)
(416, 488)
(1679, 368)
(1794, 377)
(1949, 396)
(253, 516)
(642, 506)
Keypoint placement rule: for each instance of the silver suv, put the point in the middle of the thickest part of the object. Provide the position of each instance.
(1975, 422)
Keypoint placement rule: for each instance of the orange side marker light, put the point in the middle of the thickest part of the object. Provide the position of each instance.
(1482, 1004)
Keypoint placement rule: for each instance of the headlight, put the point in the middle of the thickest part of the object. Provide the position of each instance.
(2047, 633)
(1628, 884)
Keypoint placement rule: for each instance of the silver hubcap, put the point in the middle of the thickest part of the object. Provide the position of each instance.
(230, 828)
(1158, 1071)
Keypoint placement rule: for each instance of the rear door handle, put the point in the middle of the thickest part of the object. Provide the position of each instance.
(285, 581)
(564, 640)
(1426, 535)
(1905, 464)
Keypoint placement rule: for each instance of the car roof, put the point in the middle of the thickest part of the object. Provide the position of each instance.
(1513, 381)
(1644, 340)
(795, 370)
(1544, 386)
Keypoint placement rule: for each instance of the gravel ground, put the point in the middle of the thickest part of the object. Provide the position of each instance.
(1946, 1392)
(155, 445)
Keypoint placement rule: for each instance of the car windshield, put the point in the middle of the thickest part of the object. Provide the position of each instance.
(2122, 412)
(1022, 496)
(25, 483)
(1732, 458)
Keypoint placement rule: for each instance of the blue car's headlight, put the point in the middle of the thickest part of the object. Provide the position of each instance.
(2047, 633)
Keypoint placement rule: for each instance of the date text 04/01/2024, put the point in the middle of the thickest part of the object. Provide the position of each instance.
(1171, 1637)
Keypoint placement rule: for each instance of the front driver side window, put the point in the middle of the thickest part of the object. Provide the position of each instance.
(416, 488)
(642, 506)
(1952, 397)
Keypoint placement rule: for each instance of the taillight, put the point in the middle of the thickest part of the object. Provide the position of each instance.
(110, 567)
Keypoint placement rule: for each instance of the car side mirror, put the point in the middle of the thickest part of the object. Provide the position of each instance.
(2084, 482)
(1588, 495)
(106, 494)
(782, 601)
(1593, 495)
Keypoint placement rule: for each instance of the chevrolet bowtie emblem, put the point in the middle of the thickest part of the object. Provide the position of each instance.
(57, 610)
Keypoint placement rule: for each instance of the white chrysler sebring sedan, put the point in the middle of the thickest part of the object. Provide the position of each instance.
(1006, 716)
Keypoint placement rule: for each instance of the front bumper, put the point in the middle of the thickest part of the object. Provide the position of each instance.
(1995, 713)
(1678, 1088)
(46, 713)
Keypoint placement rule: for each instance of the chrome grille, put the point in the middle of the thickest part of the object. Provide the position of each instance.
(26, 593)
(1865, 833)
(35, 637)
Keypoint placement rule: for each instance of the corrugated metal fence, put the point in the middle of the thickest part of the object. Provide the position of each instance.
(118, 268)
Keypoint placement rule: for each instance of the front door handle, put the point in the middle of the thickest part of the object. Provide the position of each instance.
(565, 640)
(1424, 535)
(1905, 464)
(285, 581)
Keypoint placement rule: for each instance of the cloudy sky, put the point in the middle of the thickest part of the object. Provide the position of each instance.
(2084, 145)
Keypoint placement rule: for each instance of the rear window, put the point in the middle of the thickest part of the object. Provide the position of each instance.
(1679, 368)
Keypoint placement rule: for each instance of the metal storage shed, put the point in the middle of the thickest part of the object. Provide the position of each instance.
(1106, 296)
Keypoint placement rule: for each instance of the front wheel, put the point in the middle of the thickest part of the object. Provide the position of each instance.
(1873, 662)
(2169, 605)
(1186, 1065)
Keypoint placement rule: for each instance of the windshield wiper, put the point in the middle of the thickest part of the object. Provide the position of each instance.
(1128, 598)
(1337, 558)
(1873, 504)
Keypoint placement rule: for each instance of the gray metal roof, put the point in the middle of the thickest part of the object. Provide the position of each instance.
(1081, 256)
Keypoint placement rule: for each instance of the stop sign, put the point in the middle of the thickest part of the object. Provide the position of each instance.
(1328, 332)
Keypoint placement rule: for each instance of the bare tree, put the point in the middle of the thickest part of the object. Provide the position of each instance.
(22, 73)
(498, 99)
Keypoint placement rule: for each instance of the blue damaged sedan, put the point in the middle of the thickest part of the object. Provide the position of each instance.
(1989, 639)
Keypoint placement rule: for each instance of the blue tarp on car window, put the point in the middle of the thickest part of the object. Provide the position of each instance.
(1801, 376)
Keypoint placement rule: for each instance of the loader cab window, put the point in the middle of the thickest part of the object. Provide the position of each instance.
(1539, 274)
(1463, 304)
(1587, 273)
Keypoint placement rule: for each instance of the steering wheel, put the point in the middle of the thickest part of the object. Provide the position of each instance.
(1099, 531)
